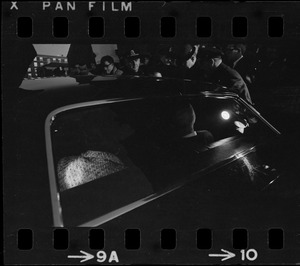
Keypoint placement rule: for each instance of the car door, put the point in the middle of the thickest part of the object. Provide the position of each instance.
(106, 158)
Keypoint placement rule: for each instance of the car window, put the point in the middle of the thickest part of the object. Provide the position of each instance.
(109, 155)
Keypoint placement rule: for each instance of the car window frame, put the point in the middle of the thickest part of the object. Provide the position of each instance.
(54, 191)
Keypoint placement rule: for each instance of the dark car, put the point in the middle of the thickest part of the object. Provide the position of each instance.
(86, 154)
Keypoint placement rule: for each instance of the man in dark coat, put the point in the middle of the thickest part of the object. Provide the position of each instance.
(166, 63)
(210, 60)
(245, 65)
(81, 59)
(108, 67)
(179, 154)
(133, 64)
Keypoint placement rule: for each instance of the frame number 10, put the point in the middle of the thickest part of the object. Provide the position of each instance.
(250, 254)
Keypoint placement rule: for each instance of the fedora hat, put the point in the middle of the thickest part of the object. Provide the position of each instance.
(209, 52)
(186, 51)
(133, 54)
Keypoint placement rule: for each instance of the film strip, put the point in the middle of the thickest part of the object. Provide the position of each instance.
(124, 142)
(132, 27)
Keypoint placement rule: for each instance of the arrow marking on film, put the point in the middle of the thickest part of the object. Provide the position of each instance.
(85, 257)
(226, 256)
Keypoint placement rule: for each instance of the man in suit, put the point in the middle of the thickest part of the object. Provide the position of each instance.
(166, 63)
(133, 63)
(182, 124)
(180, 154)
(109, 67)
(244, 65)
(210, 61)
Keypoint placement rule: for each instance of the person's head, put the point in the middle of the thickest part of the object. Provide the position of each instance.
(80, 69)
(183, 119)
(234, 51)
(93, 66)
(209, 59)
(133, 61)
(146, 60)
(134, 64)
(188, 55)
(165, 59)
(108, 64)
(167, 56)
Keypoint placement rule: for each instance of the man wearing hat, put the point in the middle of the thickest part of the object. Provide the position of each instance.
(245, 66)
(166, 63)
(133, 63)
(187, 59)
(210, 61)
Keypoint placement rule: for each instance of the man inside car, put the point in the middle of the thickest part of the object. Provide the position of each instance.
(179, 155)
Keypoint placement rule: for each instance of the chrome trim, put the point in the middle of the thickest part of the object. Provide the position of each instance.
(259, 115)
(249, 106)
(116, 213)
(55, 200)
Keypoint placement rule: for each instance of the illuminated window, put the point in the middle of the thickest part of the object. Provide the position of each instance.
(87, 167)
(42, 64)
(95, 173)
(35, 64)
(29, 69)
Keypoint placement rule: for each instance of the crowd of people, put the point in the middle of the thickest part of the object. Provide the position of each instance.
(232, 66)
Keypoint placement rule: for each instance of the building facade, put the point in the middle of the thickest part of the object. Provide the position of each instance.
(42, 66)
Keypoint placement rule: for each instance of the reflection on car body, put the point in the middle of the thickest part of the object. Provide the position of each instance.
(110, 148)
(108, 157)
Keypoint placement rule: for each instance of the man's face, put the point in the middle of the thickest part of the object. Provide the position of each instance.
(146, 60)
(232, 53)
(190, 62)
(108, 67)
(166, 60)
(135, 64)
(93, 66)
(205, 64)
(82, 69)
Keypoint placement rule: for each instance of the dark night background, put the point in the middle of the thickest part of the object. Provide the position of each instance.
(276, 95)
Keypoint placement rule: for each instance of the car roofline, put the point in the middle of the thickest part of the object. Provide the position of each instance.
(97, 79)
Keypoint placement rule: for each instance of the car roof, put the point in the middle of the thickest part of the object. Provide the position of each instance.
(145, 84)
(95, 88)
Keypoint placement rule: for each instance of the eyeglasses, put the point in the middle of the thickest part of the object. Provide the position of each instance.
(106, 66)
(231, 49)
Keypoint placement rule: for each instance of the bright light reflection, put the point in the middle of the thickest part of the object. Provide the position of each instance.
(249, 167)
(225, 115)
(74, 174)
(238, 156)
